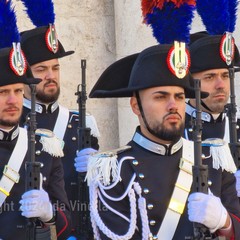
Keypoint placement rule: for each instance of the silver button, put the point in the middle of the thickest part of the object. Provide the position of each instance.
(69, 125)
(152, 222)
(141, 175)
(38, 152)
(74, 138)
(209, 183)
(150, 206)
(135, 162)
(146, 190)
(190, 130)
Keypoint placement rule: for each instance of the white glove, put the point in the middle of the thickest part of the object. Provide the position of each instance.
(237, 175)
(207, 210)
(81, 161)
(36, 203)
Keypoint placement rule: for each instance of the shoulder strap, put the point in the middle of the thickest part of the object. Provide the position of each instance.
(180, 193)
(10, 173)
(61, 123)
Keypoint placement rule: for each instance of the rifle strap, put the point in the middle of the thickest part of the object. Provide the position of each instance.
(61, 123)
(10, 173)
(180, 193)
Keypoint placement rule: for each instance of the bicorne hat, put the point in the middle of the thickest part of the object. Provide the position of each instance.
(37, 46)
(41, 43)
(13, 64)
(215, 48)
(150, 68)
(166, 64)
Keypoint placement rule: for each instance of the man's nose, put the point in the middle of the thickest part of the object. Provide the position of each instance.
(50, 74)
(12, 98)
(172, 105)
(220, 83)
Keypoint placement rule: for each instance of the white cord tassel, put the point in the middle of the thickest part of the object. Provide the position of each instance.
(92, 124)
(103, 169)
(52, 146)
(222, 157)
(221, 154)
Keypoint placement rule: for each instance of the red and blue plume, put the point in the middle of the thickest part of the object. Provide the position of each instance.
(170, 19)
(233, 5)
(8, 25)
(218, 16)
(40, 12)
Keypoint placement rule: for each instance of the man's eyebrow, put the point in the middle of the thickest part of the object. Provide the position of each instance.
(209, 74)
(167, 93)
(40, 66)
(214, 74)
(162, 92)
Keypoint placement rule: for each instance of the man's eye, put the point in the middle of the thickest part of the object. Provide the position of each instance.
(19, 91)
(208, 78)
(3, 92)
(160, 97)
(181, 97)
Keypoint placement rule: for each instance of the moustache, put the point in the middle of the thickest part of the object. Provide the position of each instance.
(219, 92)
(172, 113)
(50, 82)
(11, 109)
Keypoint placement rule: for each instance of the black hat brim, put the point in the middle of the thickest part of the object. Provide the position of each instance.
(34, 45)
(30, 81)
(205, 53)
(114, 81)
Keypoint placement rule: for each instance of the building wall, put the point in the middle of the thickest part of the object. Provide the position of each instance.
(101, 32)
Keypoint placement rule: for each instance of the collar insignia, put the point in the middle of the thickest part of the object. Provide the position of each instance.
(227, 48)
(17, 60)
(51, 39)
(178, 59)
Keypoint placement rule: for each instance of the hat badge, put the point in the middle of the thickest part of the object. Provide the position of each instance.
(51, 38)
(17, 60)
(178, 59)
(227, 49)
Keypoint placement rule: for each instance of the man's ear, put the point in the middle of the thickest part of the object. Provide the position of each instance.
(134, 105)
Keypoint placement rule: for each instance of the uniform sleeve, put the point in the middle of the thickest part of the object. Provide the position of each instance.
(58, 196)
(231, 202)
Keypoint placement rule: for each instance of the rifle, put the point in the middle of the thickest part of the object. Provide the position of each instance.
(32, 167)
(231, 110)
(200, 171)
(84, 227)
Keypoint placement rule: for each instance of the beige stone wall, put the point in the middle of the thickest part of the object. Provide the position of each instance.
(101, 31)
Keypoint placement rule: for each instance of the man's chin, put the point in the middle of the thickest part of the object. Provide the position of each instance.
(8, 124)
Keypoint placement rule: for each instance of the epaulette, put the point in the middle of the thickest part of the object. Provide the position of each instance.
(103, 166)
(90, 123)
(50, 142)
(221, 154)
